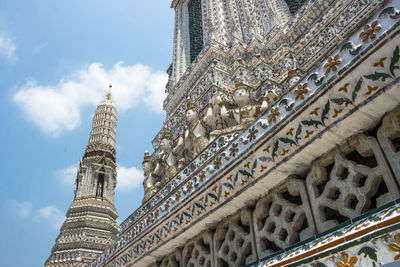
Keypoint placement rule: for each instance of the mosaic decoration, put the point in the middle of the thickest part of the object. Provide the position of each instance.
(264, 67)
(294, 5)
(195, 28)
(332, 103)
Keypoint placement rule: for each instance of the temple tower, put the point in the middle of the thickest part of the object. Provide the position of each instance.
(222, 24)
(90, 225)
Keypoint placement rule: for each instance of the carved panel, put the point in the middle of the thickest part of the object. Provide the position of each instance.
(233, 240)
(282, 218)
(172, 260)
(349, 181)
(389, 139)
(199, 251)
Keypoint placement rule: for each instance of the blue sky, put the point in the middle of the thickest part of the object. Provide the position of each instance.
(56, 61)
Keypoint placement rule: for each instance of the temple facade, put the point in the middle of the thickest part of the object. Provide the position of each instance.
(281, 145)
(90, 226)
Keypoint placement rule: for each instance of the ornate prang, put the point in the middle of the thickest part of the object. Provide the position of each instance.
(270, 139)
(90, 225)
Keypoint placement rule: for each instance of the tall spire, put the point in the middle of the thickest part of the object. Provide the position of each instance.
(90, 224)
(104, 123)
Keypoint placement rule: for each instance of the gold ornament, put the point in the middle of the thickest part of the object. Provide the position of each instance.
(108, 96)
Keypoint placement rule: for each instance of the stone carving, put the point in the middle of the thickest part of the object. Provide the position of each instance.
(271, 97)
(195, 135)
(179, 150)
(165, 166)
(349, 181)
(282, 218)
(213, 117)
(293, 74)
(245, 112)
(297, 33)
(198, 252)
(389, 139)
(150, 183)
(233, 240)
(172, 260)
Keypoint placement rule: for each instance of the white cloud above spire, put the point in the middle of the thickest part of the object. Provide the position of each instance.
(58, 108)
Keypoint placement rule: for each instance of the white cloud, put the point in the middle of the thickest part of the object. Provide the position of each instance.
(24, 208)
(57, 108)
(53, 215)
(128, 178)
(155, 96)
(7, 46)
(68, 175)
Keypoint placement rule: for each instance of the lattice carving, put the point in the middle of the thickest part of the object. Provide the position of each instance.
(389, 139)
(198, 252)
(233, 240)
(195, 28)
(282, 218)
(172, 260)
(349, 181)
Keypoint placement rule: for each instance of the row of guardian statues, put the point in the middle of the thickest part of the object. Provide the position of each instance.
(219, 118)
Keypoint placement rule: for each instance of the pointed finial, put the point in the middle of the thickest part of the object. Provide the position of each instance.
(108, 96)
